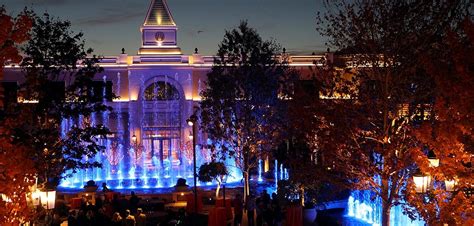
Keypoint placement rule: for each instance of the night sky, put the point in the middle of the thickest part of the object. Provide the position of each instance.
(110, 25)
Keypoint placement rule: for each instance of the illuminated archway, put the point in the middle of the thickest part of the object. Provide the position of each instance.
(161, 91)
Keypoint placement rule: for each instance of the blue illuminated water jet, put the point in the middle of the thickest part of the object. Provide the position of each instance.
(362, 206)
(156, 160)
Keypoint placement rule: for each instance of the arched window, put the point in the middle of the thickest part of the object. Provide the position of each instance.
(161, 91)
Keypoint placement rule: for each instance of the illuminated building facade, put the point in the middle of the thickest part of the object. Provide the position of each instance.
(151, 143)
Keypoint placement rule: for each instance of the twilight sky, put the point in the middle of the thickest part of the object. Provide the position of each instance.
(109, 25)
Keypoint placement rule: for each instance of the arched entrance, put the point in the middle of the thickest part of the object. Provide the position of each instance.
(161, 122)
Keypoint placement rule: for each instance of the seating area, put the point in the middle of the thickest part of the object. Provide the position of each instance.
(162, 208)
(158, 207)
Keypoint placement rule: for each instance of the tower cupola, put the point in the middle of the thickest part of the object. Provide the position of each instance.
(159, 31)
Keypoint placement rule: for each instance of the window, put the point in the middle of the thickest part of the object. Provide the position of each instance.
(161, 91)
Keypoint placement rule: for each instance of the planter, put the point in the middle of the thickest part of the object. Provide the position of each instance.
(309, 216)
(90, 188)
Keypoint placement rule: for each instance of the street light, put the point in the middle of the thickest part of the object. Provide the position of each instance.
(35, 197)
(192, 121)
(48, 199)
(450, 184)
(434, 162)
(134, 139)
(5, 198)
(421, 182)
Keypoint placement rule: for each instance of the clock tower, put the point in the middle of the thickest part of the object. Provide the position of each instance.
(159, 31)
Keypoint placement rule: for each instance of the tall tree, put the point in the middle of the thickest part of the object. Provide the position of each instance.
(240, 106)
(56, 90)
(450, 135)
(16, 170)
(13, 31)
(17, 176)
(372, 144)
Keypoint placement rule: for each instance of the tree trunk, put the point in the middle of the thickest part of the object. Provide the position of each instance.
(218, 189)
(246, 184)
(386, 201)
(385, 214)
(246, 171)
(302, 195)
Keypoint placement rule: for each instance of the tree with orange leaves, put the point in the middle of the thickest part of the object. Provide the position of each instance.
(13, 31)
(16, 170)
(450, 135)
(367, 137)
(17, 176)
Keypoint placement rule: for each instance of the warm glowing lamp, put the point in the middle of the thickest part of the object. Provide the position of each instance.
(134, 139)
(434, 162)
(48, 199)
(190, 122)
(421, 182)
(450, 184)
(35, 197)
(190, 136)
(5, 198)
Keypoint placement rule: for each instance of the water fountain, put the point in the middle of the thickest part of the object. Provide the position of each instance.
(282, 171)
(155, 159)
(362, 206)
(276, 174)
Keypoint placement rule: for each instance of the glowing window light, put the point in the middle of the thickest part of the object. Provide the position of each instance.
(25, 101)
(120, 100)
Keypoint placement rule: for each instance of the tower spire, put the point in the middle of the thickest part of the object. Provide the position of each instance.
(159, 31)
(159, 14)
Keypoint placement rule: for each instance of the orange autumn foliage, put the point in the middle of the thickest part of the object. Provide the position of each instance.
(16, 168)
(17, 176)
(13, 31)
(451, 132)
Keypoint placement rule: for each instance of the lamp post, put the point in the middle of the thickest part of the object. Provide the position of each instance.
(192, 121)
